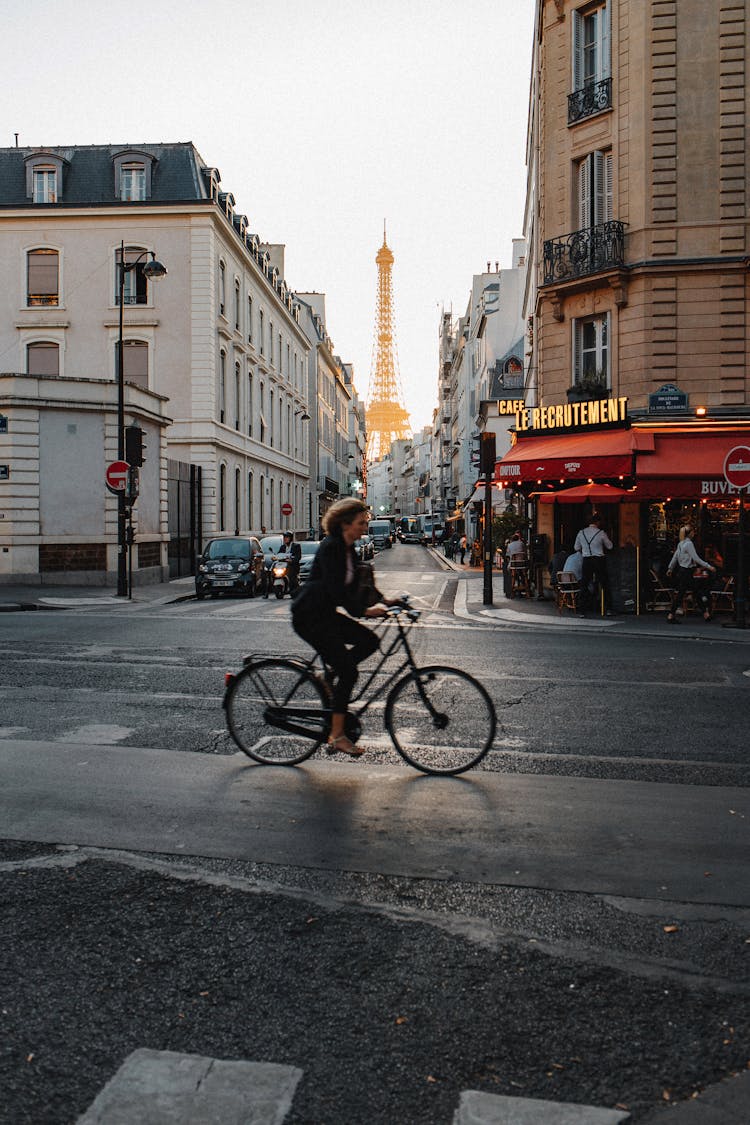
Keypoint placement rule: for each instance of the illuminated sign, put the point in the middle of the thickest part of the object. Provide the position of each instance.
(573, 415)
(510, 405)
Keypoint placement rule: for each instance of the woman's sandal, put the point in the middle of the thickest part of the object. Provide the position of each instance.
(671, 619)
(706, 616)
(333, 747)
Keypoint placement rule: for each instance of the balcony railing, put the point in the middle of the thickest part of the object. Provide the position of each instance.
(591, 98)
(584, 252)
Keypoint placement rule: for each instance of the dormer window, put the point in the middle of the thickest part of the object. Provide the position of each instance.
(133, 175)
(132, 183)
(44, 177)
(45, 184)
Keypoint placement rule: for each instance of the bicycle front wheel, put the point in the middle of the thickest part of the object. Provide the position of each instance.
(441, 720)
(278, 713)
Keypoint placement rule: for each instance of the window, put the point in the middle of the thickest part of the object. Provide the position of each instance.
(133, 170)
(590, 47)
(43, 277)
(135, 285)
(591, 349)
(43, 359)
(270, 342)
(222, 287)
(250, 500)
(249, 319)
(250, 408)
(236, 305)
(279, 352)
(132, 183)
(237, 394)
(222, 387)
(595, 190)
(135, 362)
(260, 333)
(222, 497)
(262, 433)
(237, 490)
(45, 184)
(270, 418)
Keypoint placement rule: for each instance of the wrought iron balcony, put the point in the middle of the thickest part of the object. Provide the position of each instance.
(583, 252)
(591, 98)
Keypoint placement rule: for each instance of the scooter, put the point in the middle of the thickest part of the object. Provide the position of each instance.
(280, 576)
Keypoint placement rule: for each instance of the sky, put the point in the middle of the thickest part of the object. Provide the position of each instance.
(325, 120)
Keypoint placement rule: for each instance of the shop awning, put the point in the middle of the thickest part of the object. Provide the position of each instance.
(684, 461)
(568, 457)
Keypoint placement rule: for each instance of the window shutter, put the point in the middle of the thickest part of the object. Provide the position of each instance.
(608, 213)
(598, 163)
(603, 66)
(584, 193)
(577, 51)
(42, 277)
(43, 359)
(577, 348)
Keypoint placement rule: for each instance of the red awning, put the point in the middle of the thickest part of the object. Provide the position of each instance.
(565, 457)
(683, 461)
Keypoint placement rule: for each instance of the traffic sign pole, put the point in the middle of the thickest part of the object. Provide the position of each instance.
(737, 474)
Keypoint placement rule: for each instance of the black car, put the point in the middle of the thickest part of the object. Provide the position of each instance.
(309, 548)
(230, 563)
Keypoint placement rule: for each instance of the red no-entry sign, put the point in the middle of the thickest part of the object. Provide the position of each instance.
(116, 476)
(737, 466)
(286, 509)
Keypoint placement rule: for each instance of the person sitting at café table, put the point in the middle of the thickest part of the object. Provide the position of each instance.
(684, 561)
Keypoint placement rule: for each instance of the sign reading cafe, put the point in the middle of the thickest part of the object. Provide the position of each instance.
(573, 415)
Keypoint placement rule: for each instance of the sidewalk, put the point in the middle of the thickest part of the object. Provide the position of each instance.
(469, 604)
(13, 598)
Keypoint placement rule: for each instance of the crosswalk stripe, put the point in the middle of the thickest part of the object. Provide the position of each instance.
(168, 1088)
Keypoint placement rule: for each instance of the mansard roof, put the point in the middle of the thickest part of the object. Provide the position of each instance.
(177, 173)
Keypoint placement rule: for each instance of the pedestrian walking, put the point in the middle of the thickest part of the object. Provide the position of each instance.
(462, 548)
(684, 561)
(592, 542)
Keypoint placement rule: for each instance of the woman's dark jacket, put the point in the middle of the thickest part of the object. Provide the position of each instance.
(326, 588)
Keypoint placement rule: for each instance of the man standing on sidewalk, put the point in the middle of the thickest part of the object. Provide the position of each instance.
(462, 548)
(592, 542)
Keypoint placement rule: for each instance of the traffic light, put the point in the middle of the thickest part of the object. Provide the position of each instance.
(134, 446)
(487, 451)
(475, 453)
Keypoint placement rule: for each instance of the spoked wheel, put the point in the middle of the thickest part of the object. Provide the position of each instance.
(277, 712)
(441, 720)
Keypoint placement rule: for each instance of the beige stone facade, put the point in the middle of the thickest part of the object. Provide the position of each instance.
(671, 142)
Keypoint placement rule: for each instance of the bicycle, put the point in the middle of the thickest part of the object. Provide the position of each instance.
(440, 719)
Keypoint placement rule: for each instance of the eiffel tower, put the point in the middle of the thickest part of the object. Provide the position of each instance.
(386, 416)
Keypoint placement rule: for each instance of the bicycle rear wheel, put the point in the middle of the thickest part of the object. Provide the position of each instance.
(277, 712)
(441, 720)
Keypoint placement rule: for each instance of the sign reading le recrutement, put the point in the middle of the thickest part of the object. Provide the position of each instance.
(737, 467)
(116, 476)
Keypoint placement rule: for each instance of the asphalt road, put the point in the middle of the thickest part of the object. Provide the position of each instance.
(386, 933)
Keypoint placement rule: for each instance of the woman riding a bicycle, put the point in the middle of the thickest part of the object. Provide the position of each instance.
(341, 641)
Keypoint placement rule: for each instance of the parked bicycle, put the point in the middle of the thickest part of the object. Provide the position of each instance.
(440, 719)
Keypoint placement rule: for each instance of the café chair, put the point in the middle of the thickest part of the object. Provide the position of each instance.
(568, 591)
(722, 600)
(660, 596)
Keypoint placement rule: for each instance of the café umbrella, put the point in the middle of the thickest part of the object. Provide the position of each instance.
(593, 493)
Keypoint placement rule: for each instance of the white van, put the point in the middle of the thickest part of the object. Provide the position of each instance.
(380, 530)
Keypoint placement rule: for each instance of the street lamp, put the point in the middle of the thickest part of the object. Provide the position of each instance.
(152, 271)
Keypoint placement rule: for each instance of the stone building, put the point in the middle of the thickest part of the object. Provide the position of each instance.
(638, 297)
(217, 346)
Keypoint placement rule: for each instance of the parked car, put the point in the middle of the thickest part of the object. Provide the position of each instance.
(365, 548)
(309, 548)
(230, 563)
